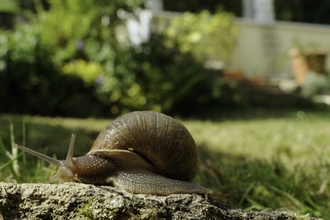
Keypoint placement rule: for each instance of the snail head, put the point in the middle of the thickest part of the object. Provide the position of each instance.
(65, 167)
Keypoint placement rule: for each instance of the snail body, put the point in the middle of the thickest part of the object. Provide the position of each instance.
(142, 152)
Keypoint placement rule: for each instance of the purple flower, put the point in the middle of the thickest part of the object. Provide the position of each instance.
(99, 80)
(80, 45)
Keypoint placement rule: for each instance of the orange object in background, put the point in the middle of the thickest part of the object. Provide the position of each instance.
(232, 74)
(299, 65)
(314, 60)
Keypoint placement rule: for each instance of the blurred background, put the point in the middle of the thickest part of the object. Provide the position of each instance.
(96, 58)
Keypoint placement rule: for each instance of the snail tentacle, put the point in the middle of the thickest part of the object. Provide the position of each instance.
(69, 157)
(46, 158)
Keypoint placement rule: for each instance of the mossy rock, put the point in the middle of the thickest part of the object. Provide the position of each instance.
(82, 201)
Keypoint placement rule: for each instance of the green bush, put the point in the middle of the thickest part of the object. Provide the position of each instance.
(208, 36)
(167, 73)
(50, 66)
(159, 78)
(75, 66)
(156, 77)
(30, 83)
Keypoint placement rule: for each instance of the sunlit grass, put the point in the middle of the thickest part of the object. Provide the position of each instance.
(292, 139)
(253, 163)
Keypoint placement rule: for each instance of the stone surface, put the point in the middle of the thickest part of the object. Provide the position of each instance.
(81, 201)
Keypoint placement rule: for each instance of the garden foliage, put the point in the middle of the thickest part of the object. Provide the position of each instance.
(69, 61)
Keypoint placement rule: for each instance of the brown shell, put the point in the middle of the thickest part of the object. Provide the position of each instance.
(162, 141)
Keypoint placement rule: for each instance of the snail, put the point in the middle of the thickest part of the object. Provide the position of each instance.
(142, 152)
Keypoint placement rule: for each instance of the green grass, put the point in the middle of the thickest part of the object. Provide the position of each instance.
(277, 160)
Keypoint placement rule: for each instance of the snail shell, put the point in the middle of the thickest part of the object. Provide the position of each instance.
(159, 139)
(142, 152)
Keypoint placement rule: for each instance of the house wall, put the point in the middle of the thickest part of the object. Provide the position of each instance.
(262, 50)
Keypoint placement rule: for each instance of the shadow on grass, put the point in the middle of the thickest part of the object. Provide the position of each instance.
(250, 183)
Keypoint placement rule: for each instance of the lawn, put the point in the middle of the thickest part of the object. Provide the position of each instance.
(263, 159)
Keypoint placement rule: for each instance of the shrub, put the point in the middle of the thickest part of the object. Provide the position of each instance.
(69, 66)
(167, 73)
(30, 83)
(160, 79)
(207, 36)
